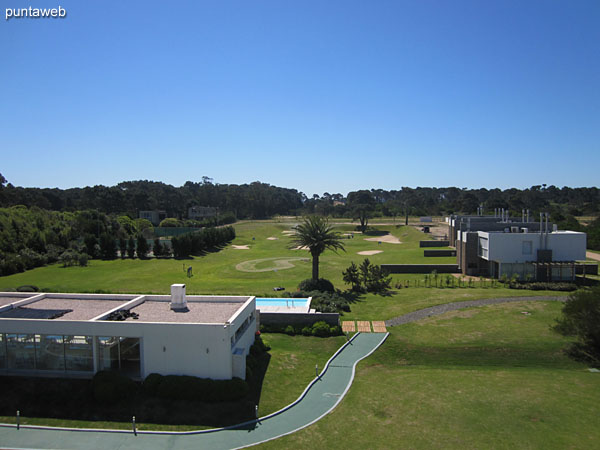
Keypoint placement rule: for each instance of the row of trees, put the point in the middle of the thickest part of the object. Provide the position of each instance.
(200, 242)
(255, 200)
(259, 200)
(33, 237)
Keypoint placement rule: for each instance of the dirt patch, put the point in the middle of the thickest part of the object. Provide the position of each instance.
(388, 239)
(288, 232)
(370, 252)
(272, 238)
(240, 247)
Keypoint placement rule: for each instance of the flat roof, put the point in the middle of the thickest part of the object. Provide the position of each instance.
(204, 311)
(5, 300)
(57, 308)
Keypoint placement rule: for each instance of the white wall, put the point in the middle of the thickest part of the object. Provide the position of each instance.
(508, 247)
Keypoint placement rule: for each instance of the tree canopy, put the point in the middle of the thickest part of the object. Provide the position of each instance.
(317, 235)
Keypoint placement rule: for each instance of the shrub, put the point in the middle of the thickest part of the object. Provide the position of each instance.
(321, 329)
(112, 387)
(307, 331)
(184, 387)
(28, 288)
(321, 285)
(151, 384)
(581, 319)
(290, 330)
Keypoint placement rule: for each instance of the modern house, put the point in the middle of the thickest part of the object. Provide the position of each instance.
(77, 335)
(155, 217)
(201, 212)
(497, 246)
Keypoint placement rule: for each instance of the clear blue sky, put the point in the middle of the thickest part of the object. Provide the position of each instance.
(314, 95)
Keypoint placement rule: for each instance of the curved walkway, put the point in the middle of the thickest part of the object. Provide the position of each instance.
(441, 309)
(320, 397)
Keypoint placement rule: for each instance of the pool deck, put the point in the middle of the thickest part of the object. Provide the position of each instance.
(320, 397)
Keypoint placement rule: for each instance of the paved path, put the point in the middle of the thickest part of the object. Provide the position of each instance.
(441, 309)
(319, 398)
(592, 255)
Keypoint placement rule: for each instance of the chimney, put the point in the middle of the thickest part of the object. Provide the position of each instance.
(178, 301)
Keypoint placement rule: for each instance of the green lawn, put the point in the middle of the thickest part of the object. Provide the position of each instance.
(487, 377)
(216, 273)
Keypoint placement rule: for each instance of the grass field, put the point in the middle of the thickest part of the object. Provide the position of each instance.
(479, 378)
(216, 273)
(487, 377)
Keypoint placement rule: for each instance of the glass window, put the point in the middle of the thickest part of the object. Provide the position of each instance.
(50, 352)
(119, 353)
(79, 353)
(130, 356)
(2, 351)
(108, 353)
(20, 351)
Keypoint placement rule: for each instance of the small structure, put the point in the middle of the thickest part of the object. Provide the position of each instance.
(77, 335)
(155, 217)
(201, 212)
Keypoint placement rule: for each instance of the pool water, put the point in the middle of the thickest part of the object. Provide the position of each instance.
(290, 302)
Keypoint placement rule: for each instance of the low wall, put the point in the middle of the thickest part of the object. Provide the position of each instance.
(421, 268)
(280, 318)
(434, 243)
(439, 253)
(590, 269)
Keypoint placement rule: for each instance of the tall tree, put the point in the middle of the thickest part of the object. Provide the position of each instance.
(315, 233)
(142, 247)
(362, 205)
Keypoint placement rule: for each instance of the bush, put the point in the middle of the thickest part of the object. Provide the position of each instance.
(307, 331)
(545, 286)
(184, 387)
(112, 387)
(151, 383)
(321, 285)
(321, 329)
(28, 288)
(290, 330)
(328, 302)
(581, 319)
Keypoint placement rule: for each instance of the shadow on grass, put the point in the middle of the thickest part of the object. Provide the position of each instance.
(445, 357)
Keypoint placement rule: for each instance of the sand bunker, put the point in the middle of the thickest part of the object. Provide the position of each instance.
(278, 263)
(240, 247)
(272, 238)
(288, 231)
(370, 252)
(388, 239)
(301, 247)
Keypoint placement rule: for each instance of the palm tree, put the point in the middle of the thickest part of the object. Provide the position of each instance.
(315, 233)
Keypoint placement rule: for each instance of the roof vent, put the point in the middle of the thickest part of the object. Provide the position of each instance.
(178, 301)
(514, 229)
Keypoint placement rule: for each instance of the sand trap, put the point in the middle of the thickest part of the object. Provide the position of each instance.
(370, 252)
(288, 232)
(388, 239)
(592, 255)
(240, 247)
(272, 238)
(300, 247)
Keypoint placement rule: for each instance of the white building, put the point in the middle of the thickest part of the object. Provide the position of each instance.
(535, 256)
(77, 334)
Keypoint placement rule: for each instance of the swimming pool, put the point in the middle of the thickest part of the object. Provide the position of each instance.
(289, 302)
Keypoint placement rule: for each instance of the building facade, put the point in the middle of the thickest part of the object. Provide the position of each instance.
(77, 335)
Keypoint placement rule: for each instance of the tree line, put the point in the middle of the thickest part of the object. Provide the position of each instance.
(260, 200)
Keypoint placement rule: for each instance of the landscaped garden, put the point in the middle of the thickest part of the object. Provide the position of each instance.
(484, 377)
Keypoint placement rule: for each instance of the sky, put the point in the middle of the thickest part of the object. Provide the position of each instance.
(320, 96)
